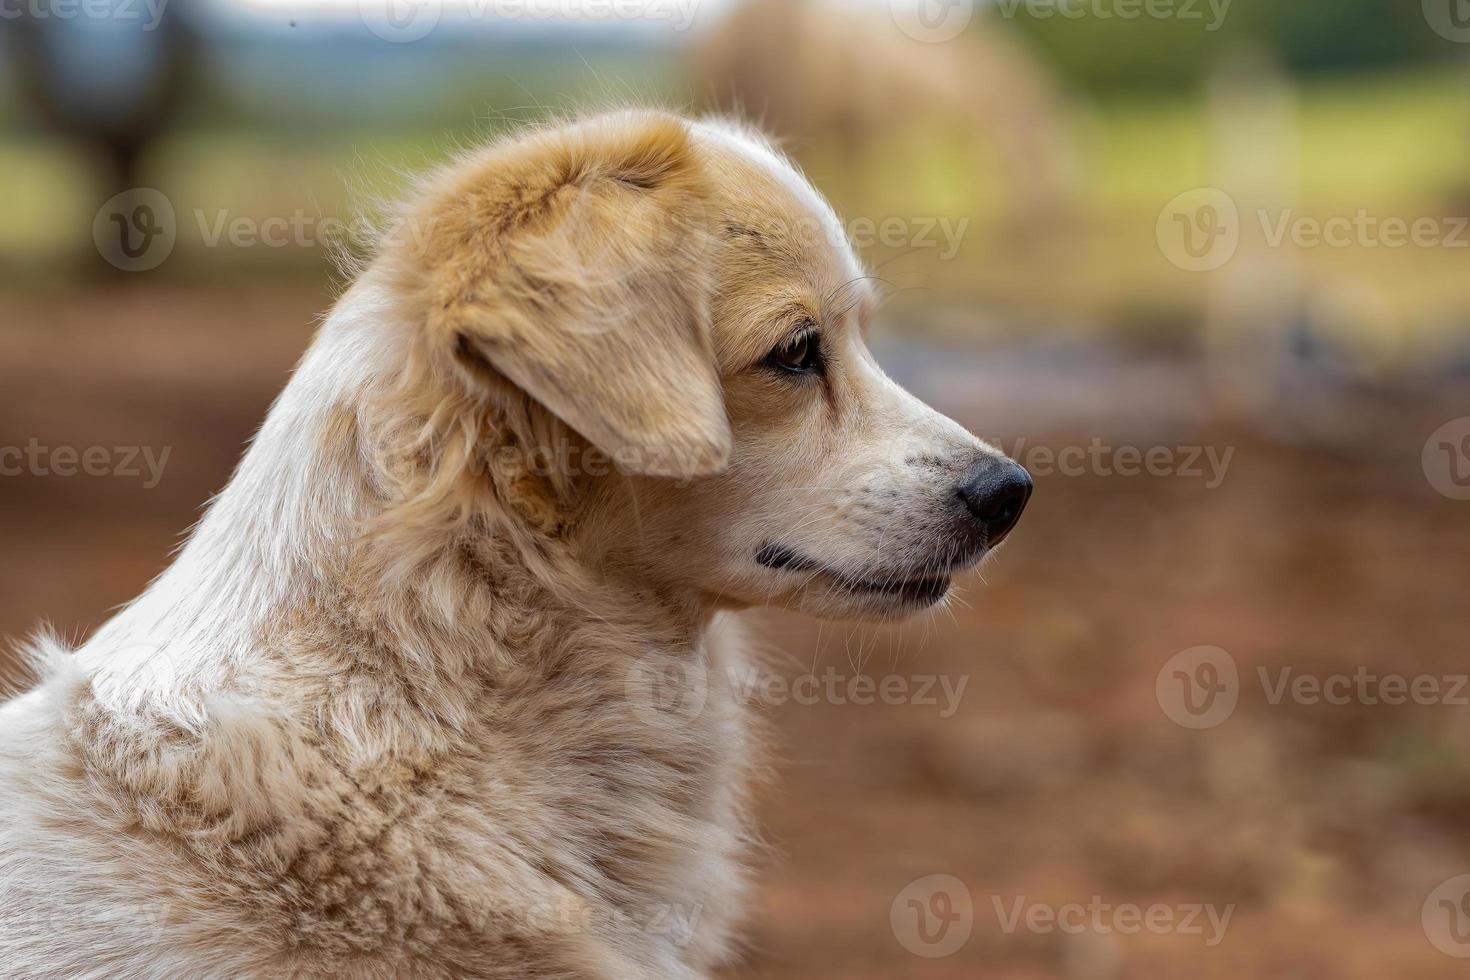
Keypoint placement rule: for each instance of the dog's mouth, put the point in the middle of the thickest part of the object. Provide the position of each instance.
(917, 588)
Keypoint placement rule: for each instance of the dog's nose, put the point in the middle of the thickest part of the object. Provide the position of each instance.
(996, 491)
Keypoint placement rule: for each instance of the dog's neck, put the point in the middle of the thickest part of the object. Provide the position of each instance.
(280, 572)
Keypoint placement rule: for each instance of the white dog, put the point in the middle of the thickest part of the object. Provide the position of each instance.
(383, 717)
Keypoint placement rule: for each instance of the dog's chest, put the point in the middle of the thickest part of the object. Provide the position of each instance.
(635, 777)
(601, 806)
(609, 805)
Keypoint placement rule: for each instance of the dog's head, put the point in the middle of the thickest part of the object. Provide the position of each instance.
(687, 307)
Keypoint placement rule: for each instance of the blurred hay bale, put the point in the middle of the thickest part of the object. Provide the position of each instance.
(845, 76)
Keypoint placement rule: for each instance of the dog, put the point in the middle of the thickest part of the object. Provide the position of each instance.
(603, 384)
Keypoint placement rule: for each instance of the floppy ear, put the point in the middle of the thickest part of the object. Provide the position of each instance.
(576, 264)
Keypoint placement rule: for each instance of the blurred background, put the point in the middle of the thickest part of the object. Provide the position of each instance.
(1203, 266)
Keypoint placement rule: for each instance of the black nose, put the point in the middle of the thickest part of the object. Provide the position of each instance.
(996, 491)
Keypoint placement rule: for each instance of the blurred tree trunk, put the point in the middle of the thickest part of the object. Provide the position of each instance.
(108, 85)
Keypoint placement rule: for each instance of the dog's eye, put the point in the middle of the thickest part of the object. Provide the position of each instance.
(801, 354)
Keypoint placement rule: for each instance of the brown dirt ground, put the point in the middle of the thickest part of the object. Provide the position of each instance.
(1058, 779)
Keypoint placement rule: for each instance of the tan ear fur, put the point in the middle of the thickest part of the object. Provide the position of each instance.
(577, 263)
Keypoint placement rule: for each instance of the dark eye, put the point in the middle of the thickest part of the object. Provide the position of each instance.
(801, 354)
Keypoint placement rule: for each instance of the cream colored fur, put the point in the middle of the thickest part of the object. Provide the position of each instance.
(380, 718)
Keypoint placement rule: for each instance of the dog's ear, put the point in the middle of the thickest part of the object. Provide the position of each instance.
(576, 264)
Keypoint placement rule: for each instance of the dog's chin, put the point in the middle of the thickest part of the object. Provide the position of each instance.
(840, 599)
(863, 594)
